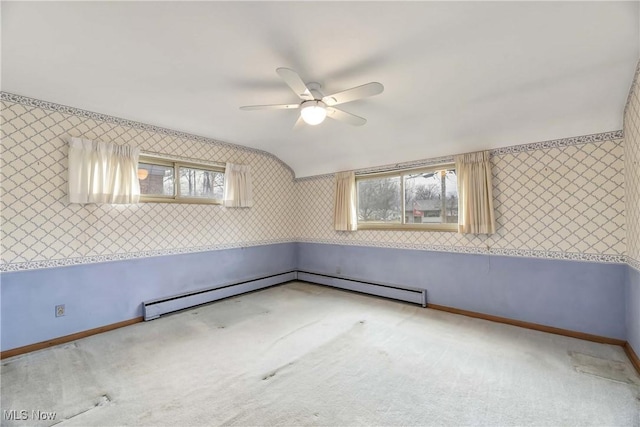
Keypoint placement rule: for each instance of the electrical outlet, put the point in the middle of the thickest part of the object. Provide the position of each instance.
(60, 310)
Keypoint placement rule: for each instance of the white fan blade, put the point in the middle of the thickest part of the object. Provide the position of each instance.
(299, 123)
(364, 91)
(293, 80)
(343, 116)
(270, 107)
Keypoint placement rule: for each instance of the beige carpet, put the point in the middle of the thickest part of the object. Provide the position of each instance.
(300, 354)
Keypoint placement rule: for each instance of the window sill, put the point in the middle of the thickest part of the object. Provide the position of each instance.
(188, 201)
(450, 228)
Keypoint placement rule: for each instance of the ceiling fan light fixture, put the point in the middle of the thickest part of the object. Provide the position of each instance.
(313, 112)
(315, 106)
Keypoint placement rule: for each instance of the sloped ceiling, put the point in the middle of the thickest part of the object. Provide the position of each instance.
(458, 76)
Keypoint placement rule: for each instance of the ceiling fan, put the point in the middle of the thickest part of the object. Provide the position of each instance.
(315, 106)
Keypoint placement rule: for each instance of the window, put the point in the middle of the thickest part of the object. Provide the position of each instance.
(411, 199)
(163, 180)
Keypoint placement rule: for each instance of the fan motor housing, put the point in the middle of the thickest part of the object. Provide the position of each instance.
(314, 88)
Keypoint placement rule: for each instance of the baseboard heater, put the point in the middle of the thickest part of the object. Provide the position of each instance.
(409, 294)
(157, 307)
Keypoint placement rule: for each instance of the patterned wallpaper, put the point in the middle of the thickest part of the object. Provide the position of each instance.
(557, 199)
(39, 228)
(632, 170)
(560, 199)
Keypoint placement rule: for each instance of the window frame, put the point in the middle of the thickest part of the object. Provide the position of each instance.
(176, 164)
(380, 225)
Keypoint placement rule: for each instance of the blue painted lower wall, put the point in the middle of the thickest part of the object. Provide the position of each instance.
(104, 293)
(599, 299)
(633, 308)
(579, 296)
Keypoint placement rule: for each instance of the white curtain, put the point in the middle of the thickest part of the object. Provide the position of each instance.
(102, 172)
(345, 217)
(238, 191)
(475, 210)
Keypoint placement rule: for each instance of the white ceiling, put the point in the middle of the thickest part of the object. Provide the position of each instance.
(458, 76)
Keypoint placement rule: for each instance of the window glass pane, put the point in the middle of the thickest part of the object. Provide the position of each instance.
(155, 180)
(201, 183)
(451, 193)
(423, 197)
(379, 200)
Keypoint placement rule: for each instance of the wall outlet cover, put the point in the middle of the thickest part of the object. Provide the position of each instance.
(60, 310)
